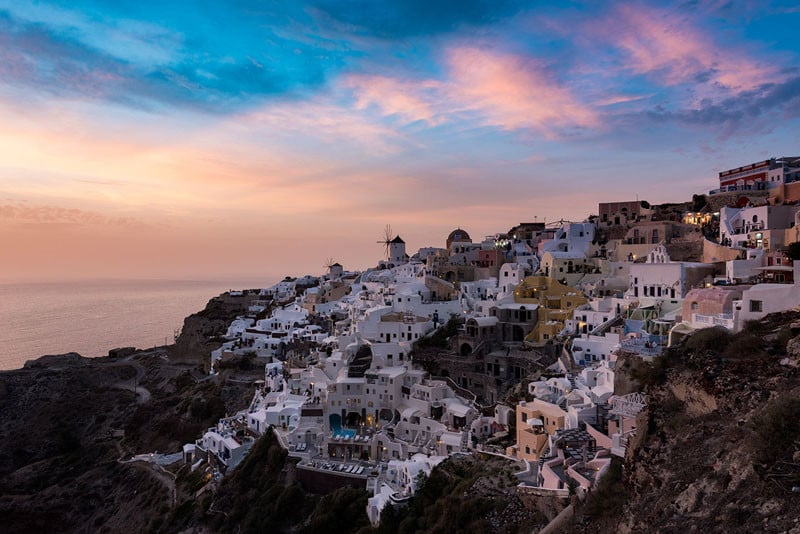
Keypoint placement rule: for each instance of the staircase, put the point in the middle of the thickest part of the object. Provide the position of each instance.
(464, 441)
(359, 363)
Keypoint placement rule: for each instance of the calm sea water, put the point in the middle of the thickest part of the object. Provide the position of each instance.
(92, 317)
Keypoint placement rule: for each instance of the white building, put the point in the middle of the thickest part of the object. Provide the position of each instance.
(745, 269)
(593, 348)
(763, 299)
(662, 279)
(571, 237)
(225, 444)
(756, 225)
(511, 274)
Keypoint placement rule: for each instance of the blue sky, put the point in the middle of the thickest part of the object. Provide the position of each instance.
(192, 126)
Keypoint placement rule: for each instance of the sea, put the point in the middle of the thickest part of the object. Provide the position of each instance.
(91, 317)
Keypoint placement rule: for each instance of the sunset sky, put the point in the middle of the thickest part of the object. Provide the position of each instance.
(224, 139)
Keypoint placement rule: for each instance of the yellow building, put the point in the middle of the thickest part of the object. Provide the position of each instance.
(556, 304)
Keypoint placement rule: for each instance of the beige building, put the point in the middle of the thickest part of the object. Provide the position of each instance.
(536, 421)
(569, 267)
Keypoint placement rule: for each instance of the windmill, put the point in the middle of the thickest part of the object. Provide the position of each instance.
(387, 239)
(333, 269)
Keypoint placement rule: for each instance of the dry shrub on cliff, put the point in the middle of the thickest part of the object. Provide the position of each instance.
(714, 339)
(778, 429)
(608, 498)
(650, 373)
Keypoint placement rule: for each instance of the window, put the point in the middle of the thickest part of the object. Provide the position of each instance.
(694, 305)
(756, 306)
(524, 417)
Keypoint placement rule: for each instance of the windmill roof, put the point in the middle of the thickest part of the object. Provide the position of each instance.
(397, 240)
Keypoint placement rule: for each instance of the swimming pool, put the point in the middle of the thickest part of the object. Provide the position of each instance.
(336, 427)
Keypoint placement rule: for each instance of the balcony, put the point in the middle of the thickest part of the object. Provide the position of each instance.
(757, 186)
(642, 347)
(706, 321)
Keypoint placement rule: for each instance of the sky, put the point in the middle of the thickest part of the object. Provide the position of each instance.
(207, 140)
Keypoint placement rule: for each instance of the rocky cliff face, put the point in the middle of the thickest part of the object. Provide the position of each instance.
(69, 424)
(201, 331)
(719, 446)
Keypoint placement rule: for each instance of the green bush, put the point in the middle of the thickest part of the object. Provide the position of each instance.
(440, 337)
(340, 511)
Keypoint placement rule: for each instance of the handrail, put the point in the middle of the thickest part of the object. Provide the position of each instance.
(461, 389)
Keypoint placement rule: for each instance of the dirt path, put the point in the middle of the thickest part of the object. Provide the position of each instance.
(142, 394)
(167, 479)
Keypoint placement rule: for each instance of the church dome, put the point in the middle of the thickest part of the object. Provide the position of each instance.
(458, 236)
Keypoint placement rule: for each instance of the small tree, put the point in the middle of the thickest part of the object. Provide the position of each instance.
(793, 250)
(420, 480)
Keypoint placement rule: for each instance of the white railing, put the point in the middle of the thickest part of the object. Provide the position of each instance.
(722, 319)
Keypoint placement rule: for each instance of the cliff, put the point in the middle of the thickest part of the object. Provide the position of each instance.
(718, 449)
(202, 331)
(71, 424)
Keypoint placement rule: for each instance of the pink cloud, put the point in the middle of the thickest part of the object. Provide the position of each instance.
(64, 216)
(514, 93)
(328, 122)
(410, 100)
(666, 46)
(502, 90)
